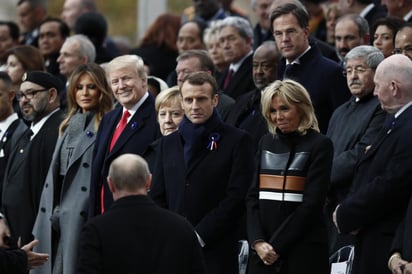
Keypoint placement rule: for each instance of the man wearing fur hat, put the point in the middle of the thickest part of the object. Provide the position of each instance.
(29, 161)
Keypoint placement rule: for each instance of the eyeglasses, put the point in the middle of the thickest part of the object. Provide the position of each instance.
(357, 70)
(29, 94)
(407, 49)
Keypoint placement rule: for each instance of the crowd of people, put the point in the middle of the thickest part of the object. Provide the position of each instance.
(213, 146)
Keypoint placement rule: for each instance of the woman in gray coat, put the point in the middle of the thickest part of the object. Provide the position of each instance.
(64, 200)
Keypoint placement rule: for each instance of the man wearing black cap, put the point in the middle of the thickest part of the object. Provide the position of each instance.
(29, 161)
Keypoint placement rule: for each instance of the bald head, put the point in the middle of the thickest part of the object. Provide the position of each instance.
(265, 62)
(128, 175)
(392, 82)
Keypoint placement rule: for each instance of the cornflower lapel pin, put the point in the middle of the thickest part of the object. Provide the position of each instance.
(89, 134)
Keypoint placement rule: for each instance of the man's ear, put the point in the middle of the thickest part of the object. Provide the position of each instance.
(54, 95)
(11, 95)
(111, 185)
(148, 182)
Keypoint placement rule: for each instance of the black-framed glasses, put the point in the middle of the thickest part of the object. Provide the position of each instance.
(29, 94)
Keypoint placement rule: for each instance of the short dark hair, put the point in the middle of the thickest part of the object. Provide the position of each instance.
(13, 29)
(6, 79)
(63, 27)
(392, 23)
(200, 25)
(299, 12)
(206, 63)
(93, 25)
(34, 3)
(199, 78)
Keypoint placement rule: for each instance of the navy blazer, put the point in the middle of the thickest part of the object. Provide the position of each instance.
(210, 192)
(141, 130)
(324, 81)
(379, 196)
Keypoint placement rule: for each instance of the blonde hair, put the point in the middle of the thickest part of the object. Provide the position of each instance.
(128, 61)
(291, 93)
(168, 97)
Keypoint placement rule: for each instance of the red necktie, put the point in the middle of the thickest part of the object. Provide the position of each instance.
(116, 134)
(227, 79)
(120, 128)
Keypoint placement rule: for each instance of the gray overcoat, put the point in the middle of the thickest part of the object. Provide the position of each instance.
(73, 203)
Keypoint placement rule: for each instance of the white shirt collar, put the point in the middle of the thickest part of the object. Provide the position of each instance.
(296, 61)
(399, 112)
(235, 66)
(5, 124)
(366, 10)
(407, 16)
(137, 106)
(36, 128)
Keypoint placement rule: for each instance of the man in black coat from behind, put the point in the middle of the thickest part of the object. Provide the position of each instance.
(151, 239)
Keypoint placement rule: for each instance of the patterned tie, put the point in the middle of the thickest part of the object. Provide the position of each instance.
(120, 128)
(227, 79)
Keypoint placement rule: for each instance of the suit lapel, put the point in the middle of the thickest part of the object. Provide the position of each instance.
(86, 140)
(203, 155)
(401, 121)
(134, 125)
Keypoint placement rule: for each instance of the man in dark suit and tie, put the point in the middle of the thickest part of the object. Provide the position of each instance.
(381, 188)
(203, 172)
(11, 127)
(199, 60)
(30, 159)
(135, 235)
(129, 128)
(246, 113)
(236, 39)
(302, 62)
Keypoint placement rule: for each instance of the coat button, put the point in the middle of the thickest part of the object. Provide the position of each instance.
(42, 209)
(83, 188)
(46, 185)
(86, 165)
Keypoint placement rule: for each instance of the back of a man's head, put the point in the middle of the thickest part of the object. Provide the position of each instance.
(129, 173)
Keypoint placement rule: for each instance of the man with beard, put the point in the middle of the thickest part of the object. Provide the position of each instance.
(30, 159)
(351, 30)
